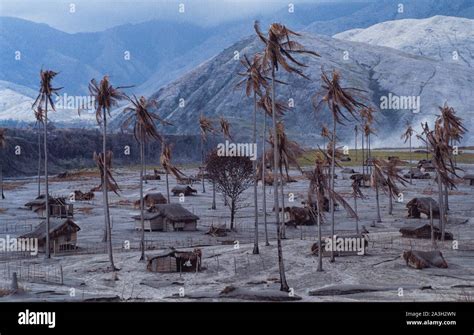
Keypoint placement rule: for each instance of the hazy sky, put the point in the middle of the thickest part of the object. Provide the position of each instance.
(94, 15)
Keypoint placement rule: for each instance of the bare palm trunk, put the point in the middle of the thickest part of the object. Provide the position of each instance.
(320, 243)
(369, 154)
(255, 181)
(213, 206)
(142, 209)
(283, 226)
(446, 199)
(355, 145)
(105, 193)
(168, 187)
(441, 207)
(411, 181)
(144, 166)
(379, 217)
(264, 168)
(363, 159)
(47, 252)
(202, 164)
(1, 181)
(283, 284)
(357, 215)
(39, 159)
(333, 170)
(390, 201)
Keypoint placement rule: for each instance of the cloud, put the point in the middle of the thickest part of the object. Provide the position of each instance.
(95, 15)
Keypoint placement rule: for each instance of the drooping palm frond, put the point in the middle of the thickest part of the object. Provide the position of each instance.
(318, 186)
(325, 132)
(393, 176)
(265, 103)
(3, 137)
(367, 115)
(254, 78)
(105, 96)
(206, 127)
(225, 128)
(280, 49)
(288, 151)
(368, 130)
(39, 114)
(408, 133)
(377, 178)
(337, 98)
(46, 90)
(110, 180)
(452, 124)
(143, 119)
(165, 160)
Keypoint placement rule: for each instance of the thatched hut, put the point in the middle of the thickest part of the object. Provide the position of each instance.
(175, 261)
(183, 189)
(58, 207)
(62, 235)
(151, 199)
(167, 217)
(416, 206)
(424, 231)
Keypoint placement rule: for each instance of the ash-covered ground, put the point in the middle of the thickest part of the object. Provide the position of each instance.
(377, 276)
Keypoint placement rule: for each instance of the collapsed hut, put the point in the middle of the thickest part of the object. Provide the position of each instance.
(183, 189)
(424, 231)
(154, 176)
(62, 235)
(299, 216)
(58, 207)
(81, 196)
(426, 165)
(424, 259)
(415, 173)
(175, 261)
(167, 217)
(416, 206)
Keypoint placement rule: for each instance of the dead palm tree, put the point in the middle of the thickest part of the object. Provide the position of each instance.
(254, 80)
(205, 127)
(288, 154)
(454, 130)
(144, 129)
(265, 103)
(407, 135)
(105, 98)
(337, 99)
(3, 144)
(39, 116)
(392, 177)
(356, 130)
(225, 130)
(318, 185)
(368, 130)
(356, 193)
(377, 180)
(45, 97)
(279, 50)
(165, 160)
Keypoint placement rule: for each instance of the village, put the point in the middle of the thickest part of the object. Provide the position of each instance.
(191, 254)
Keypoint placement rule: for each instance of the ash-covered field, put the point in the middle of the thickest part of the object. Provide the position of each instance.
(229, 269)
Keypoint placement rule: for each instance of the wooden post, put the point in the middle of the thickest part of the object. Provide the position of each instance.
(61, 273)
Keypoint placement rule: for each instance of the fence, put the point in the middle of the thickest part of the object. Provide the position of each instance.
(33, 273)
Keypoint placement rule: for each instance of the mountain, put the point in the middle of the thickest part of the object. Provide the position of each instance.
(387, 10)
(380, 71)
(15, 108)
(160, 51)
(445, 38)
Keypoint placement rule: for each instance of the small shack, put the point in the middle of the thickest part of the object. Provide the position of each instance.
(424, 231)
(183, 189)
(176, 261)
(167, 217)
(416, 206)
(58, 207)
(62, 235)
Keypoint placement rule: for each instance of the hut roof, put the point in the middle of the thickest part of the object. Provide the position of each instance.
(155, 196)
(41, 200)
(174, 212)
(183, 188)
(54, 227)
